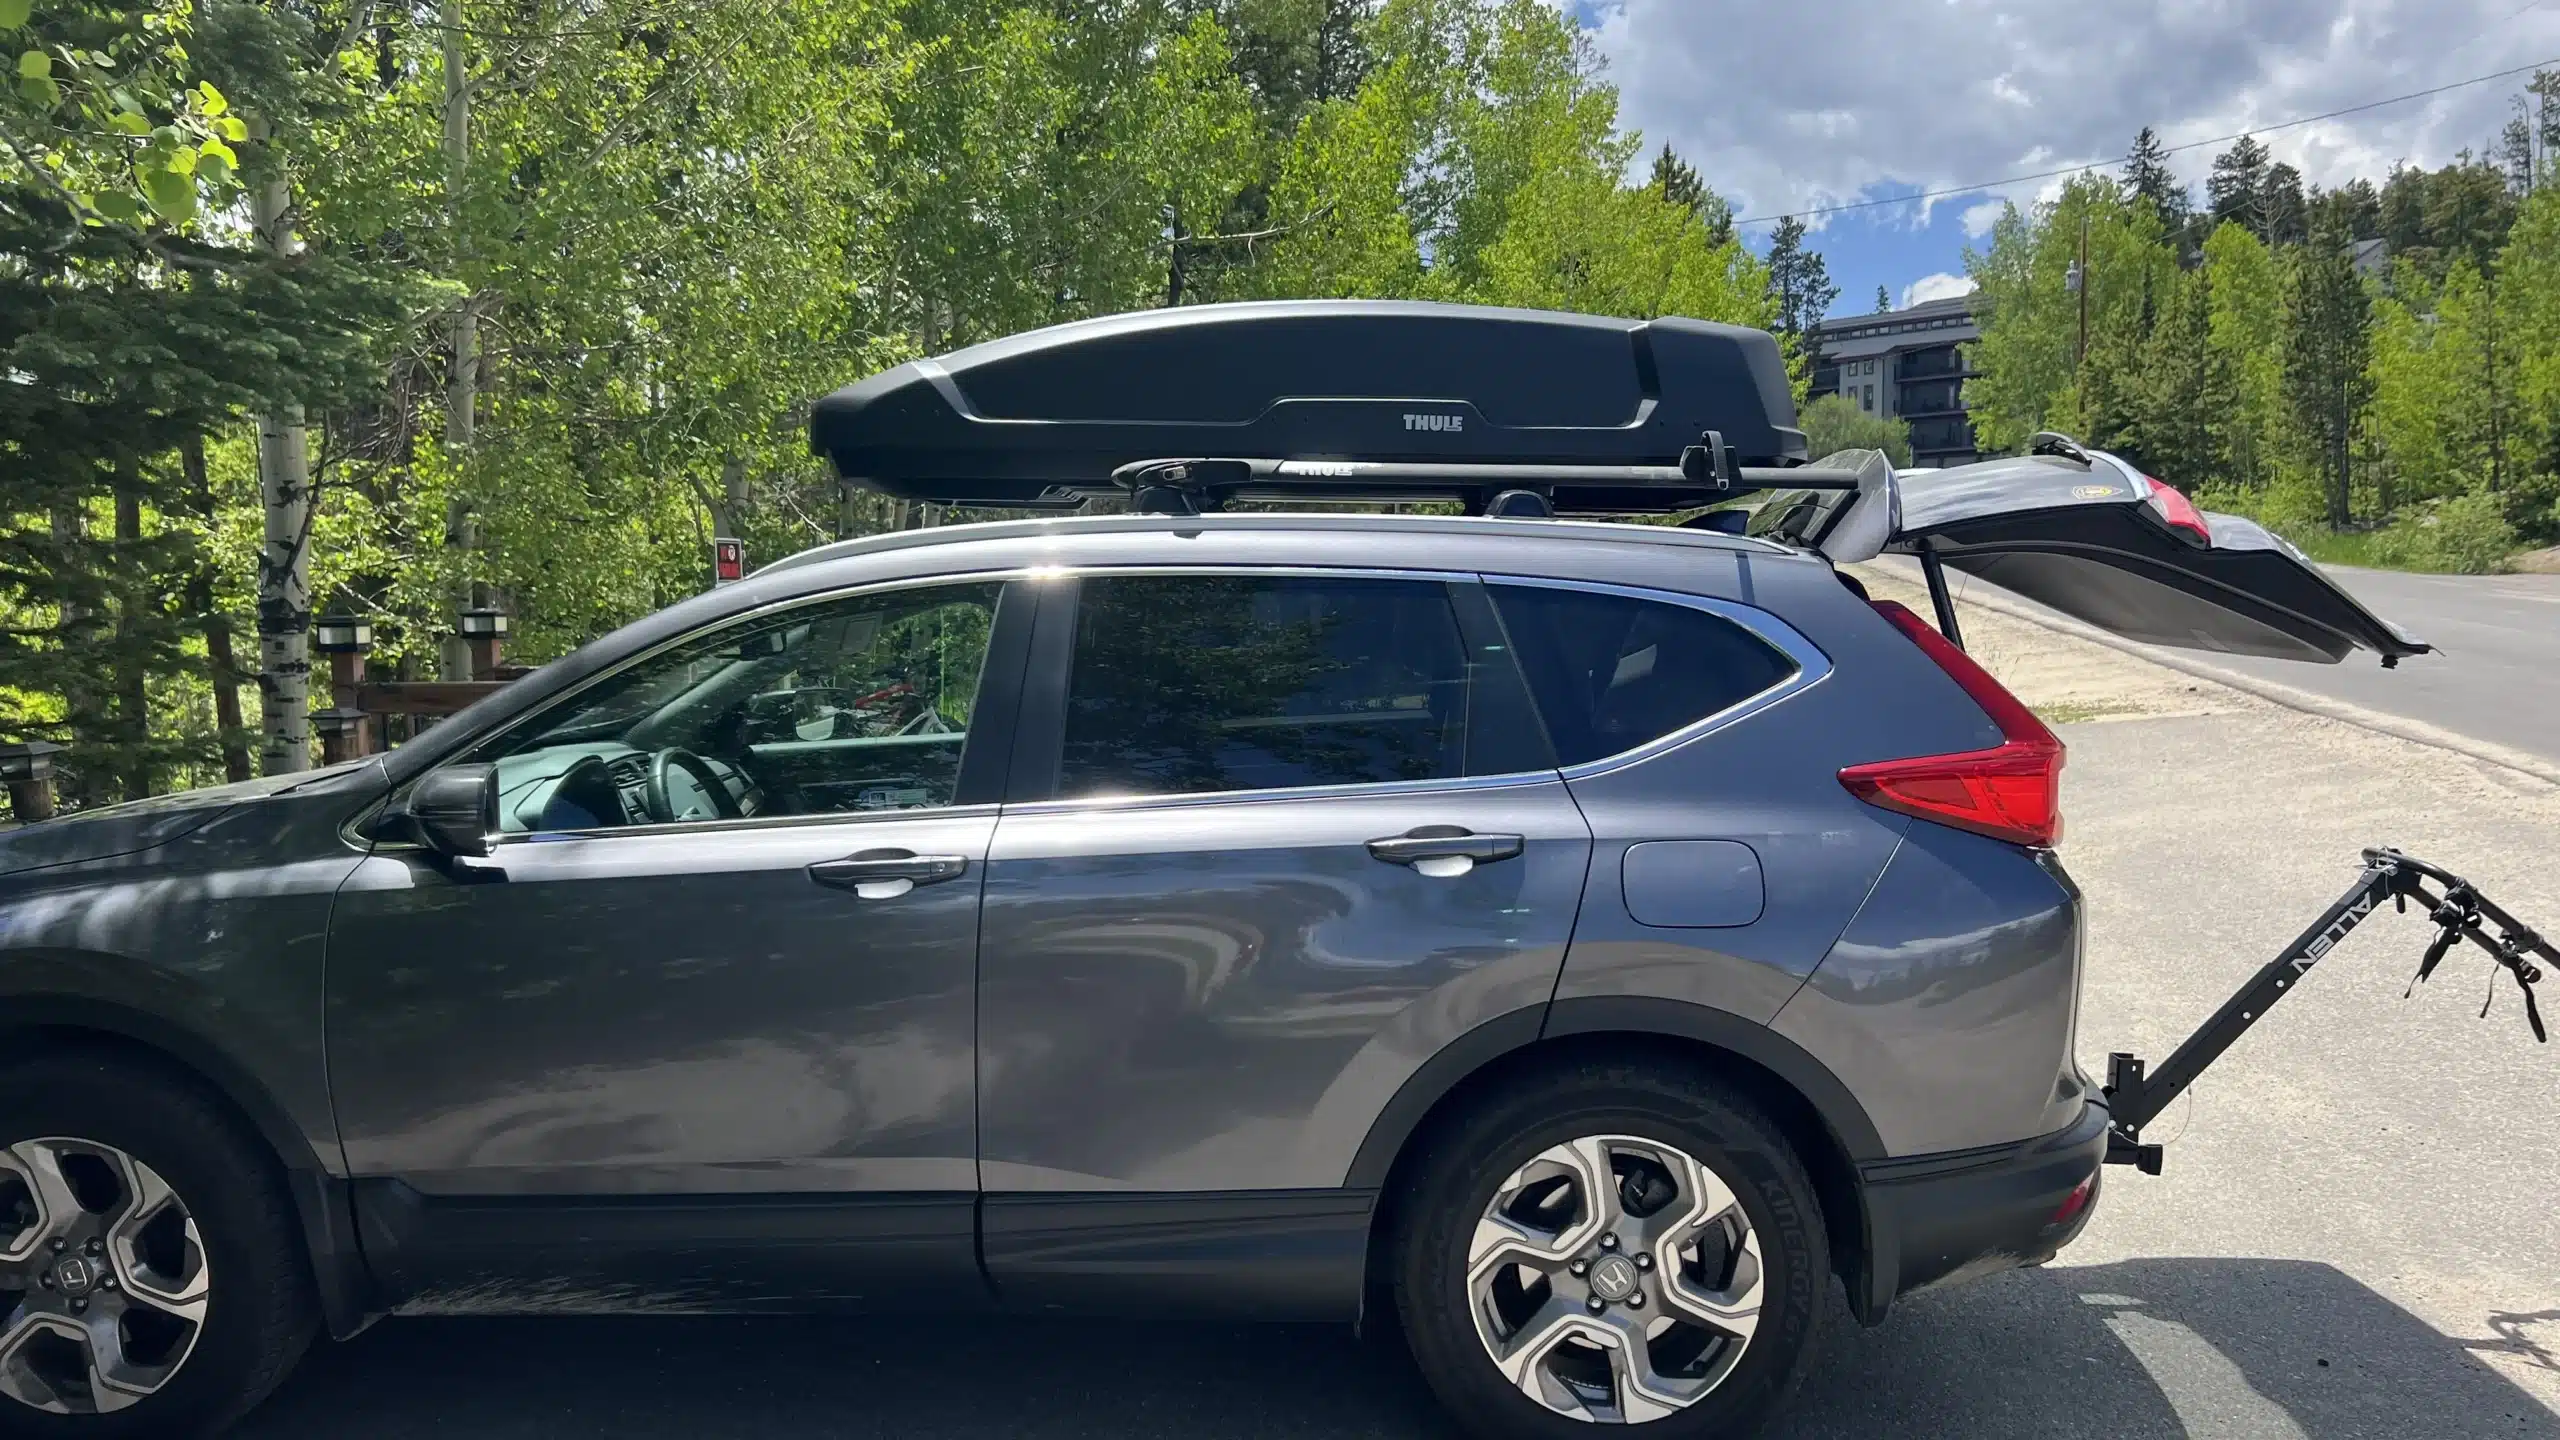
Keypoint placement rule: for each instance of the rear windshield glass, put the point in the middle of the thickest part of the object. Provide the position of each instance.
(1611, 672)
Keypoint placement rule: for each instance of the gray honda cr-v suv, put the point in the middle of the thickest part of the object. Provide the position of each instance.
(1572, 943)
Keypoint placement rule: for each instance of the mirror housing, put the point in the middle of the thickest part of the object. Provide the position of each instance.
(454, 811)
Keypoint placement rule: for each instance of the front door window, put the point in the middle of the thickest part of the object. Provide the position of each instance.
(851, 706)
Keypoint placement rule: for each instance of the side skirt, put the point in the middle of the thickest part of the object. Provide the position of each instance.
(1246, 1255)
(512, 1254)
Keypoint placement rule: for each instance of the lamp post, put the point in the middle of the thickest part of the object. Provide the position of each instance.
(342, 727)
(485, 631)
(27, 769)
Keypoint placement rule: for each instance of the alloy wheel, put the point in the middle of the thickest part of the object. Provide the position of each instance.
(1615, 1279)
(103, 1277)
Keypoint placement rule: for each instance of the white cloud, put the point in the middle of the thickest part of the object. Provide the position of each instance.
(1866, 94)
(1941, 286)
(1978, 219)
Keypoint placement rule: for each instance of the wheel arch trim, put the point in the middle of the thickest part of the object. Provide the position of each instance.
(1456, 1063)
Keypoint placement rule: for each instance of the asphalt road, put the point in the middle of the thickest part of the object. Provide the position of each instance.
(2356, 1235)
(2496, 678)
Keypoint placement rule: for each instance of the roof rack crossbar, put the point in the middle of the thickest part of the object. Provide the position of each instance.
(1186, 486)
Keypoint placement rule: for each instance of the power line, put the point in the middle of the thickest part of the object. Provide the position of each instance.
(2167, 150)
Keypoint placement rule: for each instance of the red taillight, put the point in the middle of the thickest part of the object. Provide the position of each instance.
(2178, 510)
(2010, 792)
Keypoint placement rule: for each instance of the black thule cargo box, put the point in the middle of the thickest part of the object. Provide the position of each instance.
(1521, 412)
(1045, 418)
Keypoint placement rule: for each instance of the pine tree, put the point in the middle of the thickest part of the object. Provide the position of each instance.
(1884, 300)
(1802, 284)
(1675, 181)
(2355, 208)
(2147, 176)
(2516, 147)
(2281, 207)
(2545, 89)
(124, 366)
(1679, 184)
(2237, 187)
(2328, 347)
(2176, 410)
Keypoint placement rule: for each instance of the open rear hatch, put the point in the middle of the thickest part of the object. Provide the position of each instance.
(2087, 534)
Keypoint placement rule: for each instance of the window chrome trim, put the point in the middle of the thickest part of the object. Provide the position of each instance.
(1812, 665)
(1267, 795)
(775, 607)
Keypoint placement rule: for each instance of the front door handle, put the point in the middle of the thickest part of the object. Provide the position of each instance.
(1444, 851)
(887, 874)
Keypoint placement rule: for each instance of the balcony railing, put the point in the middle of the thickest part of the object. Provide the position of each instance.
(1942, 434)
(1934, 397)
(1931, 364)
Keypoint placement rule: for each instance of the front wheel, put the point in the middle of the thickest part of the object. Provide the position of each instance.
(1610, 1243)
(151, 1280)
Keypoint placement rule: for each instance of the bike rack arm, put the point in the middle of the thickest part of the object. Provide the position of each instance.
(2135, 1097)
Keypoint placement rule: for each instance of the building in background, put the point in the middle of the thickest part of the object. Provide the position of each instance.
(1907, 363)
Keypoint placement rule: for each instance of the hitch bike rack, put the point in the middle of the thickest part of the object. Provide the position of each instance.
(2135, 1097)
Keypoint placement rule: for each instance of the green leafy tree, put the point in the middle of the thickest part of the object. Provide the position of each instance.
(2032, 378)
(2244, 300)
(105, 110)
(1833, 424)
(2529, 289)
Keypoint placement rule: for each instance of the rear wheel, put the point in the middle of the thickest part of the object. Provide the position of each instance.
(151, 1279)
(1610, 1243)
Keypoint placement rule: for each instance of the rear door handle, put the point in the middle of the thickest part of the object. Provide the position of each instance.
(887, 874)
(1444, 851)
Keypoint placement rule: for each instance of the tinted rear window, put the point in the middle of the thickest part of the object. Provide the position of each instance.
(1185, 684)
(1611, 672)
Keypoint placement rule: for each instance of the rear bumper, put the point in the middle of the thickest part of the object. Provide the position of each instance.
(1938, 1219)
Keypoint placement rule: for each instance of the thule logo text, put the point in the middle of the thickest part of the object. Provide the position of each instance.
(1449, 423)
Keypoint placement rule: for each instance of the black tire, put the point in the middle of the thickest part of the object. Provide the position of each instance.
(1454, 1175)
(261, 1311)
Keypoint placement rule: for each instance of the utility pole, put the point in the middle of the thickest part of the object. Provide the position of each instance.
(2078, 283)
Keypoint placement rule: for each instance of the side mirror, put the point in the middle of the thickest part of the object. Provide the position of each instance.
(454, 811)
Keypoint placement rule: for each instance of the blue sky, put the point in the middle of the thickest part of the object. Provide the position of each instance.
(1786, 107)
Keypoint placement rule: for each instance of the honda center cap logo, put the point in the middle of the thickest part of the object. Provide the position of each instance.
(1614, 1279)
(1450, 423)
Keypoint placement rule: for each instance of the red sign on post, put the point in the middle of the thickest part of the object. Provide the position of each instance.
(728, 562)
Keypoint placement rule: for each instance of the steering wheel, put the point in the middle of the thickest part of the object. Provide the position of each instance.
(660, 797)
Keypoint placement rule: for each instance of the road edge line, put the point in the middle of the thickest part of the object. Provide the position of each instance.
(2417, 732)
